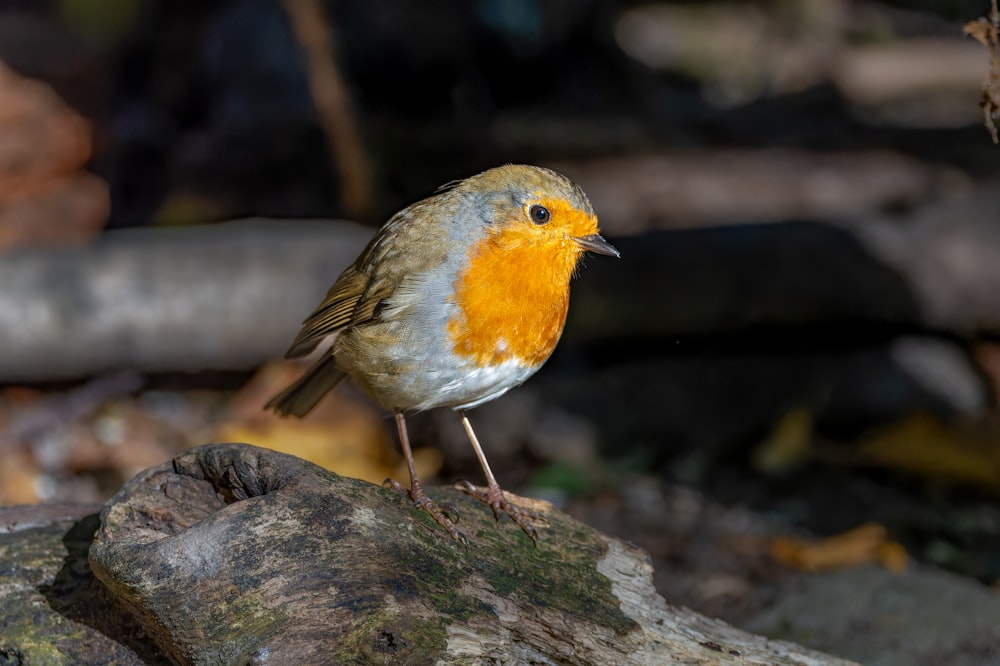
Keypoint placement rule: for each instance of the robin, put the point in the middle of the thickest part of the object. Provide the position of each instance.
(457, 299)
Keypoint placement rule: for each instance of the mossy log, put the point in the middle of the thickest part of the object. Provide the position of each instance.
(52, 610)
(231, 554)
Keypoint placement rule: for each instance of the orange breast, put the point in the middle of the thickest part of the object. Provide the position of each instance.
(513, 298)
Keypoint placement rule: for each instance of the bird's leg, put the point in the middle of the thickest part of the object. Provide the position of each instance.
(493, 495)
(416, 491)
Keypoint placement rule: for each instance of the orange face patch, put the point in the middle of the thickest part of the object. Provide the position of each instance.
(566, 219)
(514, 295)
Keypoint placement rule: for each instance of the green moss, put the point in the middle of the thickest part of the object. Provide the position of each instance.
(435, 576)
(250, 625)
(382, 638)
(48, 604)
(560, 576)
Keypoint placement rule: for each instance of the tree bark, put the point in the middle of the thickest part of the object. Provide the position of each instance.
(235, 554)
(52, 610)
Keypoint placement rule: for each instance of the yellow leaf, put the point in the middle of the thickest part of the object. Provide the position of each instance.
(787, 445)
(921, 444)
(346, 433)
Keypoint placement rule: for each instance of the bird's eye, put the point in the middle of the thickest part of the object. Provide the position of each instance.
(539, 214)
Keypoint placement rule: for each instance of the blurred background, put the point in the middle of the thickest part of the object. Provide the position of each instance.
(785, 390)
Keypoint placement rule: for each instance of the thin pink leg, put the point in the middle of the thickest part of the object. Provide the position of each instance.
(416, 490)
(493, 495)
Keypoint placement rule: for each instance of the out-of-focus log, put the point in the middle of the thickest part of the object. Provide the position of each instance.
(231, 296)
(226, 296)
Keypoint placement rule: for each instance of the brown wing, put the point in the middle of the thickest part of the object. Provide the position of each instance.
(354, 298)
(333, 314)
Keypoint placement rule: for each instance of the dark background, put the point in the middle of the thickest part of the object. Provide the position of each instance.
(803, 324)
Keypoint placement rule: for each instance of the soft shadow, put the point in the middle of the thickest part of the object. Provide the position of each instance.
(77, 595)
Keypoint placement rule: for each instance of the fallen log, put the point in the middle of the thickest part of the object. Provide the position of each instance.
(235, 554)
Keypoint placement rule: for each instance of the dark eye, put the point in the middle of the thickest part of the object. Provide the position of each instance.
(539, 214)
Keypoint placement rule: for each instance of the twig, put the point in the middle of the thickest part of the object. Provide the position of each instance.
(987, 32)
(333, 103)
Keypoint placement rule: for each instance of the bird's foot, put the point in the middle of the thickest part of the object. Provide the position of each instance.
(422, 501)
(494, 497)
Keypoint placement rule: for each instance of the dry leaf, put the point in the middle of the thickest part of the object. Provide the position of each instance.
(922, 444)
(862, 545)
(986, 31)
(788, 445)
(18, 475)
(978, 30)
(346, 433)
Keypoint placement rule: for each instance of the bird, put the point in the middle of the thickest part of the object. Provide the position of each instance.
(457, 299)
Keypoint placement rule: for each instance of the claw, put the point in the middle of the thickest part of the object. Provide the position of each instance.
(494, 497)
(422, 501)
(450, 510)
(395, 485)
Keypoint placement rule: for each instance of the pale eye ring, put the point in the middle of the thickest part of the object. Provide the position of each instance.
(539, 214)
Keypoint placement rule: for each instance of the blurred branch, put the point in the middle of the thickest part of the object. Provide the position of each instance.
(333, 104)
(731, 186)
(225, 297)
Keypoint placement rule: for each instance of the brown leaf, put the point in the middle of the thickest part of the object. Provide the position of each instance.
(978, 30)
(861, 545)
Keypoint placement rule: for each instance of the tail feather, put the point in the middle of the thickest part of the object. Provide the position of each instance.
(301, 397)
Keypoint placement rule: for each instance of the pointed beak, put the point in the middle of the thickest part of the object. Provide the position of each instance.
(594, 243)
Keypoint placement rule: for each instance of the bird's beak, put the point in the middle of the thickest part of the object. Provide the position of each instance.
(594, 243)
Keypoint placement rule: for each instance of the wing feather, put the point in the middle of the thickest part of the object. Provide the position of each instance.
(354, 297)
